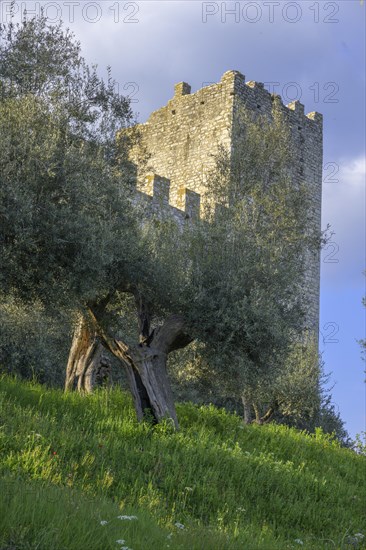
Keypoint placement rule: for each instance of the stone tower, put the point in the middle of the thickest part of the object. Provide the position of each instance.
(183, 138)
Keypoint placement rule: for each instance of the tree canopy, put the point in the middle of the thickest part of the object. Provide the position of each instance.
(66, 223)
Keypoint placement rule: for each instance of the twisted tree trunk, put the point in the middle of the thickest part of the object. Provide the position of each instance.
(146, 366)
(84, 350)
(86, 364)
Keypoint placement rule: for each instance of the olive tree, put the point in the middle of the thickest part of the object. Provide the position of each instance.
(248, 264)
(67, 232)
(233, 281)
(71, 236)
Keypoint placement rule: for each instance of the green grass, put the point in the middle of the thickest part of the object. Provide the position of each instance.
(68, 462)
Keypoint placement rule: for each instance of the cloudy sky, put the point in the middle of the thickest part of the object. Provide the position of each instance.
(307, 50)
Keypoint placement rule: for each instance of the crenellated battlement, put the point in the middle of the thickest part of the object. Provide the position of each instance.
(156, 192)
(232, 83)
(183, 138)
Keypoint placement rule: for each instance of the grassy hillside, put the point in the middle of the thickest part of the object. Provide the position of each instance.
(68, 464)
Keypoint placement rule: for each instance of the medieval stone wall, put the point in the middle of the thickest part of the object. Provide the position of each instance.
(307, 139)
(183, 138)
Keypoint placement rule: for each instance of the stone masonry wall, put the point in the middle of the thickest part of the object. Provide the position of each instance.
(307, 138)
(183, 138)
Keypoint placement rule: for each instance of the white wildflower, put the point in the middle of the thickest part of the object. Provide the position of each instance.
(179, 525)
(359, 536)
(120, 541)
(103, 522)
(189, 489)
(127, 517)
(298, 541)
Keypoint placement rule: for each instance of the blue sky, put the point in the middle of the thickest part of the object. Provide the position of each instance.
(312, 51)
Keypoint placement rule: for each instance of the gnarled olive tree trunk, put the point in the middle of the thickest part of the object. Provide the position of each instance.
(146, 366)
(87, 365)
